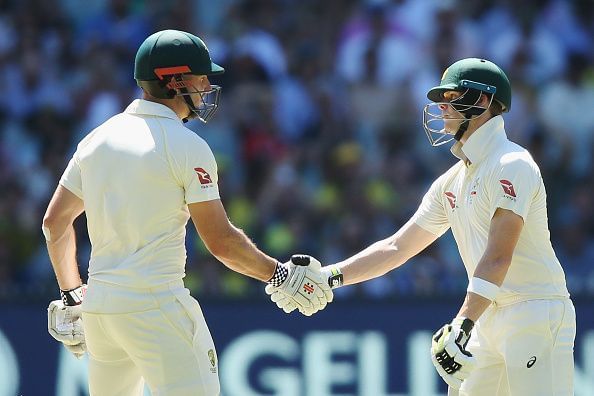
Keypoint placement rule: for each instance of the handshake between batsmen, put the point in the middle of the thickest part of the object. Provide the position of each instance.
(303, 284)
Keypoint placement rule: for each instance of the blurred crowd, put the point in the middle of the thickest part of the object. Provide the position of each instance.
(319, 136)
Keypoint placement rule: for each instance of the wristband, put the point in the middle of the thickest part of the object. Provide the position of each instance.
(281, 272)
(335, 278)
(483, 288)
(73, 296)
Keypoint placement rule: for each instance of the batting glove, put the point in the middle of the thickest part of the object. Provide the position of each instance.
(64, 321)
(299, 284)
(448, 352)
(282, 300)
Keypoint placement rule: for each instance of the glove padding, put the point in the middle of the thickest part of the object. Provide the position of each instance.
(305, 288)
(64, 323)
(282, 300)
(448, 352)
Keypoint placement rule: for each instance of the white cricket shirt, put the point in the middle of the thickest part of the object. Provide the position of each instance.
(496, 173)
(136, 174)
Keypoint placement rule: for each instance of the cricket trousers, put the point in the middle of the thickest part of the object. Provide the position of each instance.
(156, 336)
(523, 349)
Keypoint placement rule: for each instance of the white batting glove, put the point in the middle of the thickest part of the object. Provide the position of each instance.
(331, 274)
(299, 284)
(64, 322)
(282, 300)
(448, 352)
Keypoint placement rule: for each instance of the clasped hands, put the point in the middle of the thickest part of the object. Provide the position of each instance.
(302, 283)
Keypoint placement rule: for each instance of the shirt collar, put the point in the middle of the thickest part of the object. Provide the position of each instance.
(146, 107)
(481, 142)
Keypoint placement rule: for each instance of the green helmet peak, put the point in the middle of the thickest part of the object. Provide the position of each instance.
(474, 73)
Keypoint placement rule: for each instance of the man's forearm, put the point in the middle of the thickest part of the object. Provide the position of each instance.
(240, 254)
(492, 271)
(387, 254)
(373, 261)
(473, 306)
(62, 253)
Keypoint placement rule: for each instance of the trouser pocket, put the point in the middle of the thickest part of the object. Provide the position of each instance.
(201, 338)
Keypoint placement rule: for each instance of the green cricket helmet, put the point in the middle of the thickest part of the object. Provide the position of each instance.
(162, 61)
(472, 77)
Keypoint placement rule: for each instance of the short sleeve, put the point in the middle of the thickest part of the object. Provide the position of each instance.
(199, 173)
(431, 214)
(71, 178)
(514, 186)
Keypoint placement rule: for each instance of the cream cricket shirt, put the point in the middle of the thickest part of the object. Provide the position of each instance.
(496, 173)
(136, 173)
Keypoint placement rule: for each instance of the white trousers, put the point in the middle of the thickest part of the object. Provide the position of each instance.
(523, 349)
(156, 335)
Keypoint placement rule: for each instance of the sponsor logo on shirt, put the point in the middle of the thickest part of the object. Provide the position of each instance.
(451, 199)
(203, 176)
(508, 188)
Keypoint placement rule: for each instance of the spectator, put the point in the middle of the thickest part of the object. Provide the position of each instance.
(321, 110)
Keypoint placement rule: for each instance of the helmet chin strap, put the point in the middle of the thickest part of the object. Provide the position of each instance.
(465, 106)
(189, 102)
(191, 107)
(462, 129)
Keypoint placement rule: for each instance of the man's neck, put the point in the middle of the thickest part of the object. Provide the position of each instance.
(176, 105)
(474, 125)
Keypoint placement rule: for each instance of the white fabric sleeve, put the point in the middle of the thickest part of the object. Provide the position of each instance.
(431, 214)
(71, 178)
(199, 172)
(514, 185)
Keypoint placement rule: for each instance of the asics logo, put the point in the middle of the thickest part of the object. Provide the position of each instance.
(531, 362)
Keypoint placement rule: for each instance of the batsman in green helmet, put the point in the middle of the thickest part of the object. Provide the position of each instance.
(514, 332)
(139, 177)
(173, 64)
(471, 79)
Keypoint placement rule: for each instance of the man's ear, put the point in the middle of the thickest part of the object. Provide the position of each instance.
(169, 84)
(485, 100)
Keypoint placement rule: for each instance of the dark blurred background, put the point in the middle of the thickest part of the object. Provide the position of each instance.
(318, 138)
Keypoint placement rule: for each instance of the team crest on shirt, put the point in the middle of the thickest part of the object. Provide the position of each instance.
(451, 199)
(508, 189)
(213, 360)
(473, 190)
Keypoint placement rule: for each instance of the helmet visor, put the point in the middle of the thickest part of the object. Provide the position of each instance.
(204, 103)
(436, 125)
(442, 120)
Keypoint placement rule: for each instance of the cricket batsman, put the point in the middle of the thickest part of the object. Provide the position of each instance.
(139, 178)
(514, 333)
